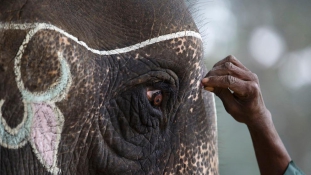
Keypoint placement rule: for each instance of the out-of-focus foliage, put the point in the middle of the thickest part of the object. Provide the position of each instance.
(272, 39)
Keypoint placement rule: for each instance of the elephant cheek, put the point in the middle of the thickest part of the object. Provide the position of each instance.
(195, 125)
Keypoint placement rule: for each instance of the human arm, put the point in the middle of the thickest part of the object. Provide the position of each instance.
(246, 105)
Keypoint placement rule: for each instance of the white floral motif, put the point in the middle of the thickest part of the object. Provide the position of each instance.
(40, 113)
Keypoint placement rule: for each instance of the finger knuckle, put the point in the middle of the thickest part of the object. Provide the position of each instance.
(230, 58)
(255, 77)
(230, 80)
(228, 65)
(254, 87)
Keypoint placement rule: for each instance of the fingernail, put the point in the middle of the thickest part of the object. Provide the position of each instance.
(211, 89)
(204, 80)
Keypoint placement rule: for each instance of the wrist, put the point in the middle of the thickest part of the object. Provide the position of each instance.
(260, 120)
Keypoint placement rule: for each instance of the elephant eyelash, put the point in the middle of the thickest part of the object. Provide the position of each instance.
(164, 87)
(156, 93)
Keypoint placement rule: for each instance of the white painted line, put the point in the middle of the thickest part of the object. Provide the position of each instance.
(35, 27)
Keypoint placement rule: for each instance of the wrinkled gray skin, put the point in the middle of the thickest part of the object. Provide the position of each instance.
(109, 125)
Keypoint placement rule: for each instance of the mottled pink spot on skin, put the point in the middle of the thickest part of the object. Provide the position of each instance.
(44, 132)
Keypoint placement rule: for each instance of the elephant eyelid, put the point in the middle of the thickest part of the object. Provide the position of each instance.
(157, 92)
(163, 86)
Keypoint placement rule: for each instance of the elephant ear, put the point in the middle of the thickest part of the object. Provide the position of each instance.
(45, 134)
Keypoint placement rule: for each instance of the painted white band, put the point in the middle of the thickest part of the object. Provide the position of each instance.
(35, 27)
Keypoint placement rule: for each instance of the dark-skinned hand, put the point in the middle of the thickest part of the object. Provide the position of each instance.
(244, 102)
(239, 90)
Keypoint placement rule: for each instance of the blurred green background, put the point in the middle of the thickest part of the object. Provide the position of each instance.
(272, 39)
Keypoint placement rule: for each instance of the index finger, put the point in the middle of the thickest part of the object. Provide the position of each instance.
(233, 60)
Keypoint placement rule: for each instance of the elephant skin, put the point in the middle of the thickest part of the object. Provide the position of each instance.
(74, 83)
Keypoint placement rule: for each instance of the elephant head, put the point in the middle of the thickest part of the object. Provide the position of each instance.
(103, 87)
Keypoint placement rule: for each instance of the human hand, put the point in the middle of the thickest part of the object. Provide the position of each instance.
(245, 102)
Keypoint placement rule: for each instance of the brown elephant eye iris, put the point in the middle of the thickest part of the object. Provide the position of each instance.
(155, 97)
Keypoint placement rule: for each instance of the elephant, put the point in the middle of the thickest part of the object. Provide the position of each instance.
(103, 87)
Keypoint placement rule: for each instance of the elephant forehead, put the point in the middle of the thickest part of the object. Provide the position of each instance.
(106, 24)
(33, 28)
(181, 42)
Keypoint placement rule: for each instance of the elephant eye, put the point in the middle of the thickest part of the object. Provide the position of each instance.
(155, 97)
